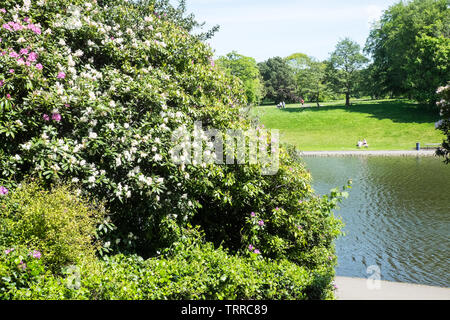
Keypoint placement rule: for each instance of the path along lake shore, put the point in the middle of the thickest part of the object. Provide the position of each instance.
(364, 289)
(379, 153)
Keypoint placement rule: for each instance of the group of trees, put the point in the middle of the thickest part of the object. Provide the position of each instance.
(298, 75)
(409, 50)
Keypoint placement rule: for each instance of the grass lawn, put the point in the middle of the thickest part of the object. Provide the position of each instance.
(385, 124)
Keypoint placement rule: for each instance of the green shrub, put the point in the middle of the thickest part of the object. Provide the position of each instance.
(58, 223)
(94, 96)
(192, 270)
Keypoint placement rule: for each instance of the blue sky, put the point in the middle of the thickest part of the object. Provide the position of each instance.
(262, 29)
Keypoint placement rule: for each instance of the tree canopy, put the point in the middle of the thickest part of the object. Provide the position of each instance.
(410, 48)
(344, 66)
(246, 69)
(279, 80)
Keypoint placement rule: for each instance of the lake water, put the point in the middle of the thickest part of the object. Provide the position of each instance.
(396, 217)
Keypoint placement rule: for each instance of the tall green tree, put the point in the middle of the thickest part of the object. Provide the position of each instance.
(298, 61)
(246, 69)
(312, 81)
(410, 48)
(343, 67)
(279, 80)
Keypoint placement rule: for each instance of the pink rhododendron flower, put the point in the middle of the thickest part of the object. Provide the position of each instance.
(39, 66)
(23, 51)
(7, 27)
(36, 254)
(34, 28)
(32, 56)
(261, 222)
(3, 10)
(56, 117)
(16, 26)
(257, 251)
(250, 247)
(46, 117)
(3, 191)
(61, 75)
(8, 96)
(11, 70)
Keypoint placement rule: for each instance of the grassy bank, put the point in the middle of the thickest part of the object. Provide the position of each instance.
(385, 124)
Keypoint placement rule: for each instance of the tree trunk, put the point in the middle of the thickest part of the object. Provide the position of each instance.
(347, 99)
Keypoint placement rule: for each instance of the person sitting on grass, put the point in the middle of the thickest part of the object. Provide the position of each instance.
(359, 144)
(365, 144)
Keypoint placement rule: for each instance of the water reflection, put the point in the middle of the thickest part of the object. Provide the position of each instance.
(397, 216)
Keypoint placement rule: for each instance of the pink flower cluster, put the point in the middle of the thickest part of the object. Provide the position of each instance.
(36, 254)
(55, 117)
(17, 26)
(24, 57)
(3, 191)
(252, 249)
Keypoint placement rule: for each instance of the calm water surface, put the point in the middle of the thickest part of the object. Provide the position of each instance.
(397, 216)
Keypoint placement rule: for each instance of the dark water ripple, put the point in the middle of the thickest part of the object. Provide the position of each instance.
(397, 216)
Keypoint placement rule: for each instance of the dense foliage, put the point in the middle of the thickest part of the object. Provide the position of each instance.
(246, 69)
(279, 80)
(59, 224)
(410, 47)
(444, 124)
(90, 94)
(191, 270)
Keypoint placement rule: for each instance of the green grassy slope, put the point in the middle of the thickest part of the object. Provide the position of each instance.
(385, 124)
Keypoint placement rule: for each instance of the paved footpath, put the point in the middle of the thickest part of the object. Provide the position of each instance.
(387, 153)
(358, 289)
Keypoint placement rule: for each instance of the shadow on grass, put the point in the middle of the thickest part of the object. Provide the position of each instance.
(397, 110)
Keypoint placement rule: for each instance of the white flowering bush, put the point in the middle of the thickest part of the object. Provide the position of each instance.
(90, 94)
(444, 124)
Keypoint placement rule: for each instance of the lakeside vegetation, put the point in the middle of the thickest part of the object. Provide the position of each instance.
(385, 124)
(96, 98)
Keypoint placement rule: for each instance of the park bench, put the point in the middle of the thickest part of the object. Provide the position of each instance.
(431, 145)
